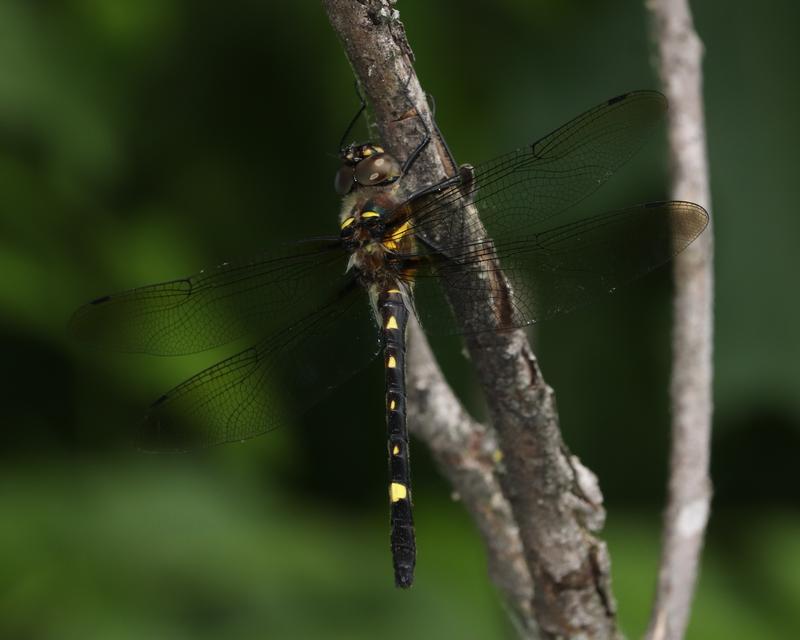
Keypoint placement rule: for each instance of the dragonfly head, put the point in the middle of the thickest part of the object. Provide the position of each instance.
(367, 165)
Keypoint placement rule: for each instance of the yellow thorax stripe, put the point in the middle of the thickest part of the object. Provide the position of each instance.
(348, 222)
(370, 214)
(397, 235)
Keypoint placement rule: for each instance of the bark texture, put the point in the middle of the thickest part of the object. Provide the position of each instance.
(680, 55)
(535, 505)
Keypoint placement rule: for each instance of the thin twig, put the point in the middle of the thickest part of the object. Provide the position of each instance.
(548, 497)
(680, 54)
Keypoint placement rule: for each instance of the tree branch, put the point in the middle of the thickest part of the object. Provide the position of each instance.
(680, 54)
(545, 495)
(466, 453)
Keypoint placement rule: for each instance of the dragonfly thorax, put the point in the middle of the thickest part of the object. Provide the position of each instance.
(373, 244)
(363, 227)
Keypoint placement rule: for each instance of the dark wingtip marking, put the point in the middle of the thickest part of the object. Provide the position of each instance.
(619, 98)
(159, 401)
(100, 300)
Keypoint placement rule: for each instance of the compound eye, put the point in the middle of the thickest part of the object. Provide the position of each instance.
(344, 180)
(377, 169)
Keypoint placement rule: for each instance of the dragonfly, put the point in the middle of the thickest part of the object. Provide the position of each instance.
(325, 307)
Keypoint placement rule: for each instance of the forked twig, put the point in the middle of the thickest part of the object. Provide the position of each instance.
(538, 516)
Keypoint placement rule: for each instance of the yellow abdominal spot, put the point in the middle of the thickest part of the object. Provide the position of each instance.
(399, 233)
(392, 405)
(391, 323)
(397, 492)
(395, 450)
(348, 222)
(370, 214)
(391, 363)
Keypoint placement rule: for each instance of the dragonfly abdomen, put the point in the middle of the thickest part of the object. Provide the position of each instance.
(394, 319)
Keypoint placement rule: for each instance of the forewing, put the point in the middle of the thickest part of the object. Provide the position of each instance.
(217, 305)
(516, 192)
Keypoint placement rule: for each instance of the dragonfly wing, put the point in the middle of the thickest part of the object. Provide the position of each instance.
(217, 305)
(518, 191)
(267, 385)
(558, 269)
(551, 267)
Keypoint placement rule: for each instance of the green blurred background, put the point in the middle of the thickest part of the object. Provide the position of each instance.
(140, 141)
